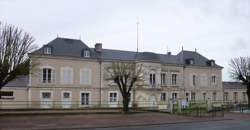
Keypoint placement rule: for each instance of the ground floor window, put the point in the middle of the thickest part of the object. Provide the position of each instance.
(204, 96)
(46, 99)
(113, 97)
(214, 97)
(193, 96)
(244, 96)
(174, 96)
(163, 96)
(235, 98)
(6, 94)
(187, 97)
(225, 96)
(85, 96)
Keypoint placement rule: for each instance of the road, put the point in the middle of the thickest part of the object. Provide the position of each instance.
(210, 125)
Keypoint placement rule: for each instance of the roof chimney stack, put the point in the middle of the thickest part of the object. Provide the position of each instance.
(98, 47)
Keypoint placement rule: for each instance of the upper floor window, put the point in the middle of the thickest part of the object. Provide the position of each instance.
(152, 79)
(66, 75)
(86, 53)
(85, 76)
(163, 79)
(213, 79)
(47, 50)
(174, 79)
(194, 80)
(47, 75)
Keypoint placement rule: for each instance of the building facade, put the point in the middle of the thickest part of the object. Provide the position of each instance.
(71, 74)
(235, 92)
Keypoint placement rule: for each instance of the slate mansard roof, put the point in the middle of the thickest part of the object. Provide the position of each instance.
(74, 48)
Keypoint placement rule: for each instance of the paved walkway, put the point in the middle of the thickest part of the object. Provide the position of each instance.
(96, 120)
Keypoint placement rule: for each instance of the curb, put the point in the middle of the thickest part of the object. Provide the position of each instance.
(130, 125)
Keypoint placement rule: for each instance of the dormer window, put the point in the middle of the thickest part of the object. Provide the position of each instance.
(211, 62)
(86, 53)
(191, 61)
(47, 50)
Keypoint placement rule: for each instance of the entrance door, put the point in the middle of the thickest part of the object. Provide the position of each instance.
(85, 96)
(46, 99)
(66, 99)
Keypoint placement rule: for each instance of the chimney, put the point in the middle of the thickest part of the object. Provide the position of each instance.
(98, 47)
(169, 53)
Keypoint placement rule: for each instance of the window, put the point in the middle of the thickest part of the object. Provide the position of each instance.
(47, 75)
(193, 96)
(152, 80)
(204, 96)
(113, 97)
(174, 78)
(85, 76)
(225, 97)
(191, 61)
(46, 95)
(86, 53)
(85, 98)
(194, 80)
(66, 95)
(187, 97)
(214, 97)
(6, 94)
(235, 97)
(203, 80)
(244, 96)
(163, 96)
(47, 50)
(163, 78)
(174, 96)
(213, 79)
(67, 75)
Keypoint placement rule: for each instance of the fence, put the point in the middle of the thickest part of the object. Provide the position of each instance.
(72, 104)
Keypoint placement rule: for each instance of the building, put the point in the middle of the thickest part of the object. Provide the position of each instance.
(71, 74)
(235, 92)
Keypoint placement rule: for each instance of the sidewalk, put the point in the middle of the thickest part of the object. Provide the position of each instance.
(37, 122)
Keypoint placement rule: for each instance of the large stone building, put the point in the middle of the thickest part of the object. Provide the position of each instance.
(71, 74)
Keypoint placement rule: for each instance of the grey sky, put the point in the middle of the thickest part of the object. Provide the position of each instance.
(219, 29)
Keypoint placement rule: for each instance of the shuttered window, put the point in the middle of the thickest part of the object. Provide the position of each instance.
(67, 75)
(85, 76)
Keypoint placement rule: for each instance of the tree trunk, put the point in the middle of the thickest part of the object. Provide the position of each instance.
(248, 95)
(125, 104)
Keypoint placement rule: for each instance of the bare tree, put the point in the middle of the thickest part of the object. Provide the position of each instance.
(125, 75)
(15, 44)
(240, 70)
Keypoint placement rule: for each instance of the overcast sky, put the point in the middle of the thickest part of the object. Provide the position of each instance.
(219, 29)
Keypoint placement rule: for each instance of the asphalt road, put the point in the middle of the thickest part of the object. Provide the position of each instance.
(210, 125)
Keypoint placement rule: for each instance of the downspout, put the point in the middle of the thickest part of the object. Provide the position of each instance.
(100, 89)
